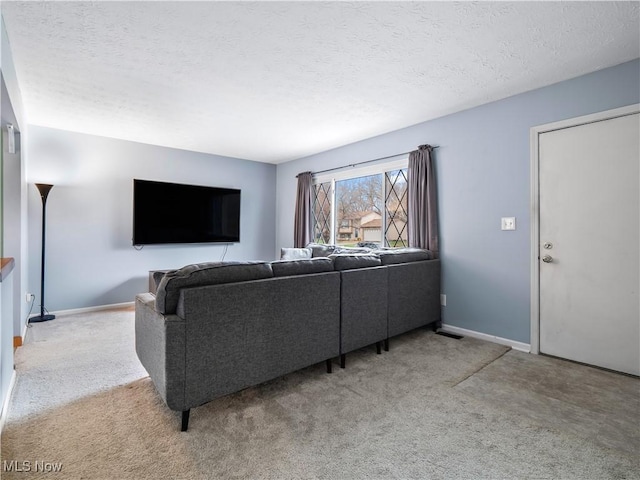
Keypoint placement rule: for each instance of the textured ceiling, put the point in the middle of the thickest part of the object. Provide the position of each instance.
(275, 81)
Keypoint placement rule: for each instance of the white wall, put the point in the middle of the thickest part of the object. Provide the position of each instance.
(13, 205)
(12, 189)
(90, 259)
(482, 170)
(6, 343)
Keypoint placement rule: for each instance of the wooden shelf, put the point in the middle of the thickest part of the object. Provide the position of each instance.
(6, 266)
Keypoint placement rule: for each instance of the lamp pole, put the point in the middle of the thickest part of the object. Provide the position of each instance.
(44, 189)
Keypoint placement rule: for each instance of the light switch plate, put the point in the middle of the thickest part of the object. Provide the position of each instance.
(508, 223)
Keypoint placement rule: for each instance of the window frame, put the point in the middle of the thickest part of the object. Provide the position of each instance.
(352, 172)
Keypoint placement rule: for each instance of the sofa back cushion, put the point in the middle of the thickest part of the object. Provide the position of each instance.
(285, 268)
(403, 255)
(343, 261)
(201, 274)
(351, 250)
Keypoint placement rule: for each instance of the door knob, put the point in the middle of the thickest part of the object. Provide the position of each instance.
(547, 259)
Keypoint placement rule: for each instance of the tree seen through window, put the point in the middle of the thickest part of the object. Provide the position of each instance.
(369, 210)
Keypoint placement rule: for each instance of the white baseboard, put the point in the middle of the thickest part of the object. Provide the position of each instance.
(24, 331)
(522, 347)
(98, 308)
(5, 403)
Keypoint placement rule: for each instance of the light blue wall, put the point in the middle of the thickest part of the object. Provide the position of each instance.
(11, 196)
(14, 185)
(482, 168)
(13, 230)
(90, 259)
(10, 76)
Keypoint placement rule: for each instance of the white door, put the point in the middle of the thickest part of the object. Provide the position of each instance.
(590, 242)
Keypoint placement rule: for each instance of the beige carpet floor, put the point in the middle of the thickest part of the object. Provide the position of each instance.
(432, 407)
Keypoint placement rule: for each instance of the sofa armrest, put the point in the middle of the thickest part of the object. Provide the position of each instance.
(147, 299)
(414, 295)
(160, 346)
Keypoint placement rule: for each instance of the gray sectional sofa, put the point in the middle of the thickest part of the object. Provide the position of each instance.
(216, 328)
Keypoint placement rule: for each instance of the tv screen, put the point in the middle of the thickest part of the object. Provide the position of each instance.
(176, 213)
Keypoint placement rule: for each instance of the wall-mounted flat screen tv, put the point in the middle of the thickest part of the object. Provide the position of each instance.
(177, 213)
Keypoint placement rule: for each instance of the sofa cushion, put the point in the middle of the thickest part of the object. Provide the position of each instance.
(351, 250)
(369, 245)
(343, 261)
(201, 274)
(403, 255)
(157, 277)
(295, 253)
(321, 249)
(284, 268)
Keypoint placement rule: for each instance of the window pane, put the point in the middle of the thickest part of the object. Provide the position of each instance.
(359, 209)
(322, 213)
(396, 208)
(369, 210)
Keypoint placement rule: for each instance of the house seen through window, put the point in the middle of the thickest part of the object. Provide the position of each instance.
(362, 210)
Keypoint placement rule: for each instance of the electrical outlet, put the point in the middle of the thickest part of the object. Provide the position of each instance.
(443, 300)
(29, 297)
(508, 223)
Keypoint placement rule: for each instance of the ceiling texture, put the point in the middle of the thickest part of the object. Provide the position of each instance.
(276, 81)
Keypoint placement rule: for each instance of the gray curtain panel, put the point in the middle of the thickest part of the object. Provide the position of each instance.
(423, 208)
(302, 219)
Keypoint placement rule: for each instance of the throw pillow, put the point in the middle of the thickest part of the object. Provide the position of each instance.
(295, 253)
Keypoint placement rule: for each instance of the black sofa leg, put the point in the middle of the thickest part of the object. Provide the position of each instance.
(329, 366)
(386, 345)
(185, 420)
(343, 360)
(378, 348)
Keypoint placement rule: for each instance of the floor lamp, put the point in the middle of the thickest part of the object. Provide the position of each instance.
(44, 193)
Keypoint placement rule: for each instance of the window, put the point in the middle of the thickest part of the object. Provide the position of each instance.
(396, 202)
(322, 213)
(368, 206)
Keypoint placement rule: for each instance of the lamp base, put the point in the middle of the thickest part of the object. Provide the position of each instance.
(41, 318)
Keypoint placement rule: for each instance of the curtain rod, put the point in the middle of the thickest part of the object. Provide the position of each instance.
(361, 163)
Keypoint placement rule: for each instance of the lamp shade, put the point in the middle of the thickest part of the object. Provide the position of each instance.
(44, 189)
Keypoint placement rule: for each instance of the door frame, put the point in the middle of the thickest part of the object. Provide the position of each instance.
(534, 210)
